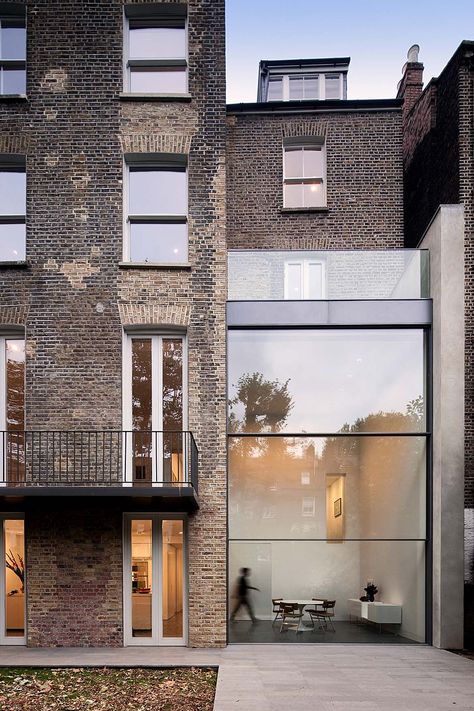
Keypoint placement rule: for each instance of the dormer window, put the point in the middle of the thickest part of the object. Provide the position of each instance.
(303, 80)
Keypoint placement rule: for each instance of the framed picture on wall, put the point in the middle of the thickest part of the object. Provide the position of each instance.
(337, 507)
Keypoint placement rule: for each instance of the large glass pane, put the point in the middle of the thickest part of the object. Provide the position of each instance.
(313, 162)
(158, 192)
(173, 409)
(14, 556)
(158, 81)
(142, 586)
(12, 241)
(303, 570)
(296, 88)
(158, 242)
(313, 195)
(333, 86)
(173, 577)
(327, 488)
(311, 87)
(294, 162)
(293, 195)
(294, 380)
(15, 408)
(142, 408)
(13, 81)
(275, 89)
(157, 42)
(12, 39)
(12, 192)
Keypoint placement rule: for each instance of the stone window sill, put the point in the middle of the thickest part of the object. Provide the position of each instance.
(154, 265)
(298, 210)
(127, 96)
(22, 264)
(13, 97)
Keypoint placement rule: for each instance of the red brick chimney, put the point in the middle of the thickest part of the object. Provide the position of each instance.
(410, 86)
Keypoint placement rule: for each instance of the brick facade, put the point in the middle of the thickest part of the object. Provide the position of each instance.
(364, 181)
(74, 298)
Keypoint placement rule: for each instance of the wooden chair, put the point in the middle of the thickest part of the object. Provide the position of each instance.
(290, 615)
(324, 615)
(276, 608)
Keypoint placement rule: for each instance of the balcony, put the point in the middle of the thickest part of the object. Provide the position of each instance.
(272, 275)
(161, 465)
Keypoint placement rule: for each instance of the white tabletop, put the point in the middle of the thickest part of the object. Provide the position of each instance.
(292, 601)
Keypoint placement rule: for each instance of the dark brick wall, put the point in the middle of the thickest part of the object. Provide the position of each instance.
(74, 129)
(364, 182)
(74, 583)
(431, 153)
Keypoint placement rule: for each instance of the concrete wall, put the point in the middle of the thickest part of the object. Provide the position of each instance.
(445, 240)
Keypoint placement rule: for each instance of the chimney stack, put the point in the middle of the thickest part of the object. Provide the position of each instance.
(410, 86)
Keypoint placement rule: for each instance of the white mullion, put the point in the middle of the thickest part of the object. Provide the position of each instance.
(157, 579)
(157, 407)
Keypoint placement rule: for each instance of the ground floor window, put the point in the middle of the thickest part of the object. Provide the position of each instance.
(155, 579)
(12, 580)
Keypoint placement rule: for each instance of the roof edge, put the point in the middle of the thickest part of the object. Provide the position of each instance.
(303, 106)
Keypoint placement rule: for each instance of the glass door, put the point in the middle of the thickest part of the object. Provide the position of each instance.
(12, 581)
(12, 409)
(154, 408)
(154, 580)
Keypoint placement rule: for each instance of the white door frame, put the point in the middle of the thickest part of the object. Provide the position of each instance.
(156, 339)
(4, 639)
(156, 638)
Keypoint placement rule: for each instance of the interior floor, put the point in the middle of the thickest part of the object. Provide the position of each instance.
(264, 632)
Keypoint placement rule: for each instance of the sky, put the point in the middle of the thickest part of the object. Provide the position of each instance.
(375, 34)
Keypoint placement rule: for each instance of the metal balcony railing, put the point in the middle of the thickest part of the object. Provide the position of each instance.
(98, 458)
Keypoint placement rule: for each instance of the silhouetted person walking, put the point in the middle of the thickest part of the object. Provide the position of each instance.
(242, 594)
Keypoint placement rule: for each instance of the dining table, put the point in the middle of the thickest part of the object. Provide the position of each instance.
(301, 606)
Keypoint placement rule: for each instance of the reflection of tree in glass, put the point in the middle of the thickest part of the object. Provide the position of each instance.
(141, 384)
(266, 404)
(172, 385)
(15, 408)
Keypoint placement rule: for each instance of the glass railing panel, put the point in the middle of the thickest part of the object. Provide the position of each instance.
(275, 275)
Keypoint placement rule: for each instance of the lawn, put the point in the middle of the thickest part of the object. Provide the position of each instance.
(45, 689)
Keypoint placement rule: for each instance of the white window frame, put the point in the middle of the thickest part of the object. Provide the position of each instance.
(156, 338)
(305, 279)
(307, 179)
(308, 74)
(15, 164)
(4, 337)
(163, 64)
(157, 638)
(4, 639)
(5, 62)
(154, 162)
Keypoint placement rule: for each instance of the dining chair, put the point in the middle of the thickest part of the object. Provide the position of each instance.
(324, 614)
(290, 615)
(276, 608)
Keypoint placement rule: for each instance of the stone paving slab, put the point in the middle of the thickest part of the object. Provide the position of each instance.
(298, 677)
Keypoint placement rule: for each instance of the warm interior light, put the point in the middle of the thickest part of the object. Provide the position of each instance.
(314, 188)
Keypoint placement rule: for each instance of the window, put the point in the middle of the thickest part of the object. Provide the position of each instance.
(305, 87)
(156, 51)
(308, 506)
(12, 208)
(304, 173)
(12, 54)
(299, 87)
(157, 207)
(304, 279)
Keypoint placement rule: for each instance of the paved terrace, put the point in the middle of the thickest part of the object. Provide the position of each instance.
(298, 677)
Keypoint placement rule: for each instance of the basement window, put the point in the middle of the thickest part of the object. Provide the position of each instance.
(156, 50)
(12, 50)
(156, 229)
(12, 209)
